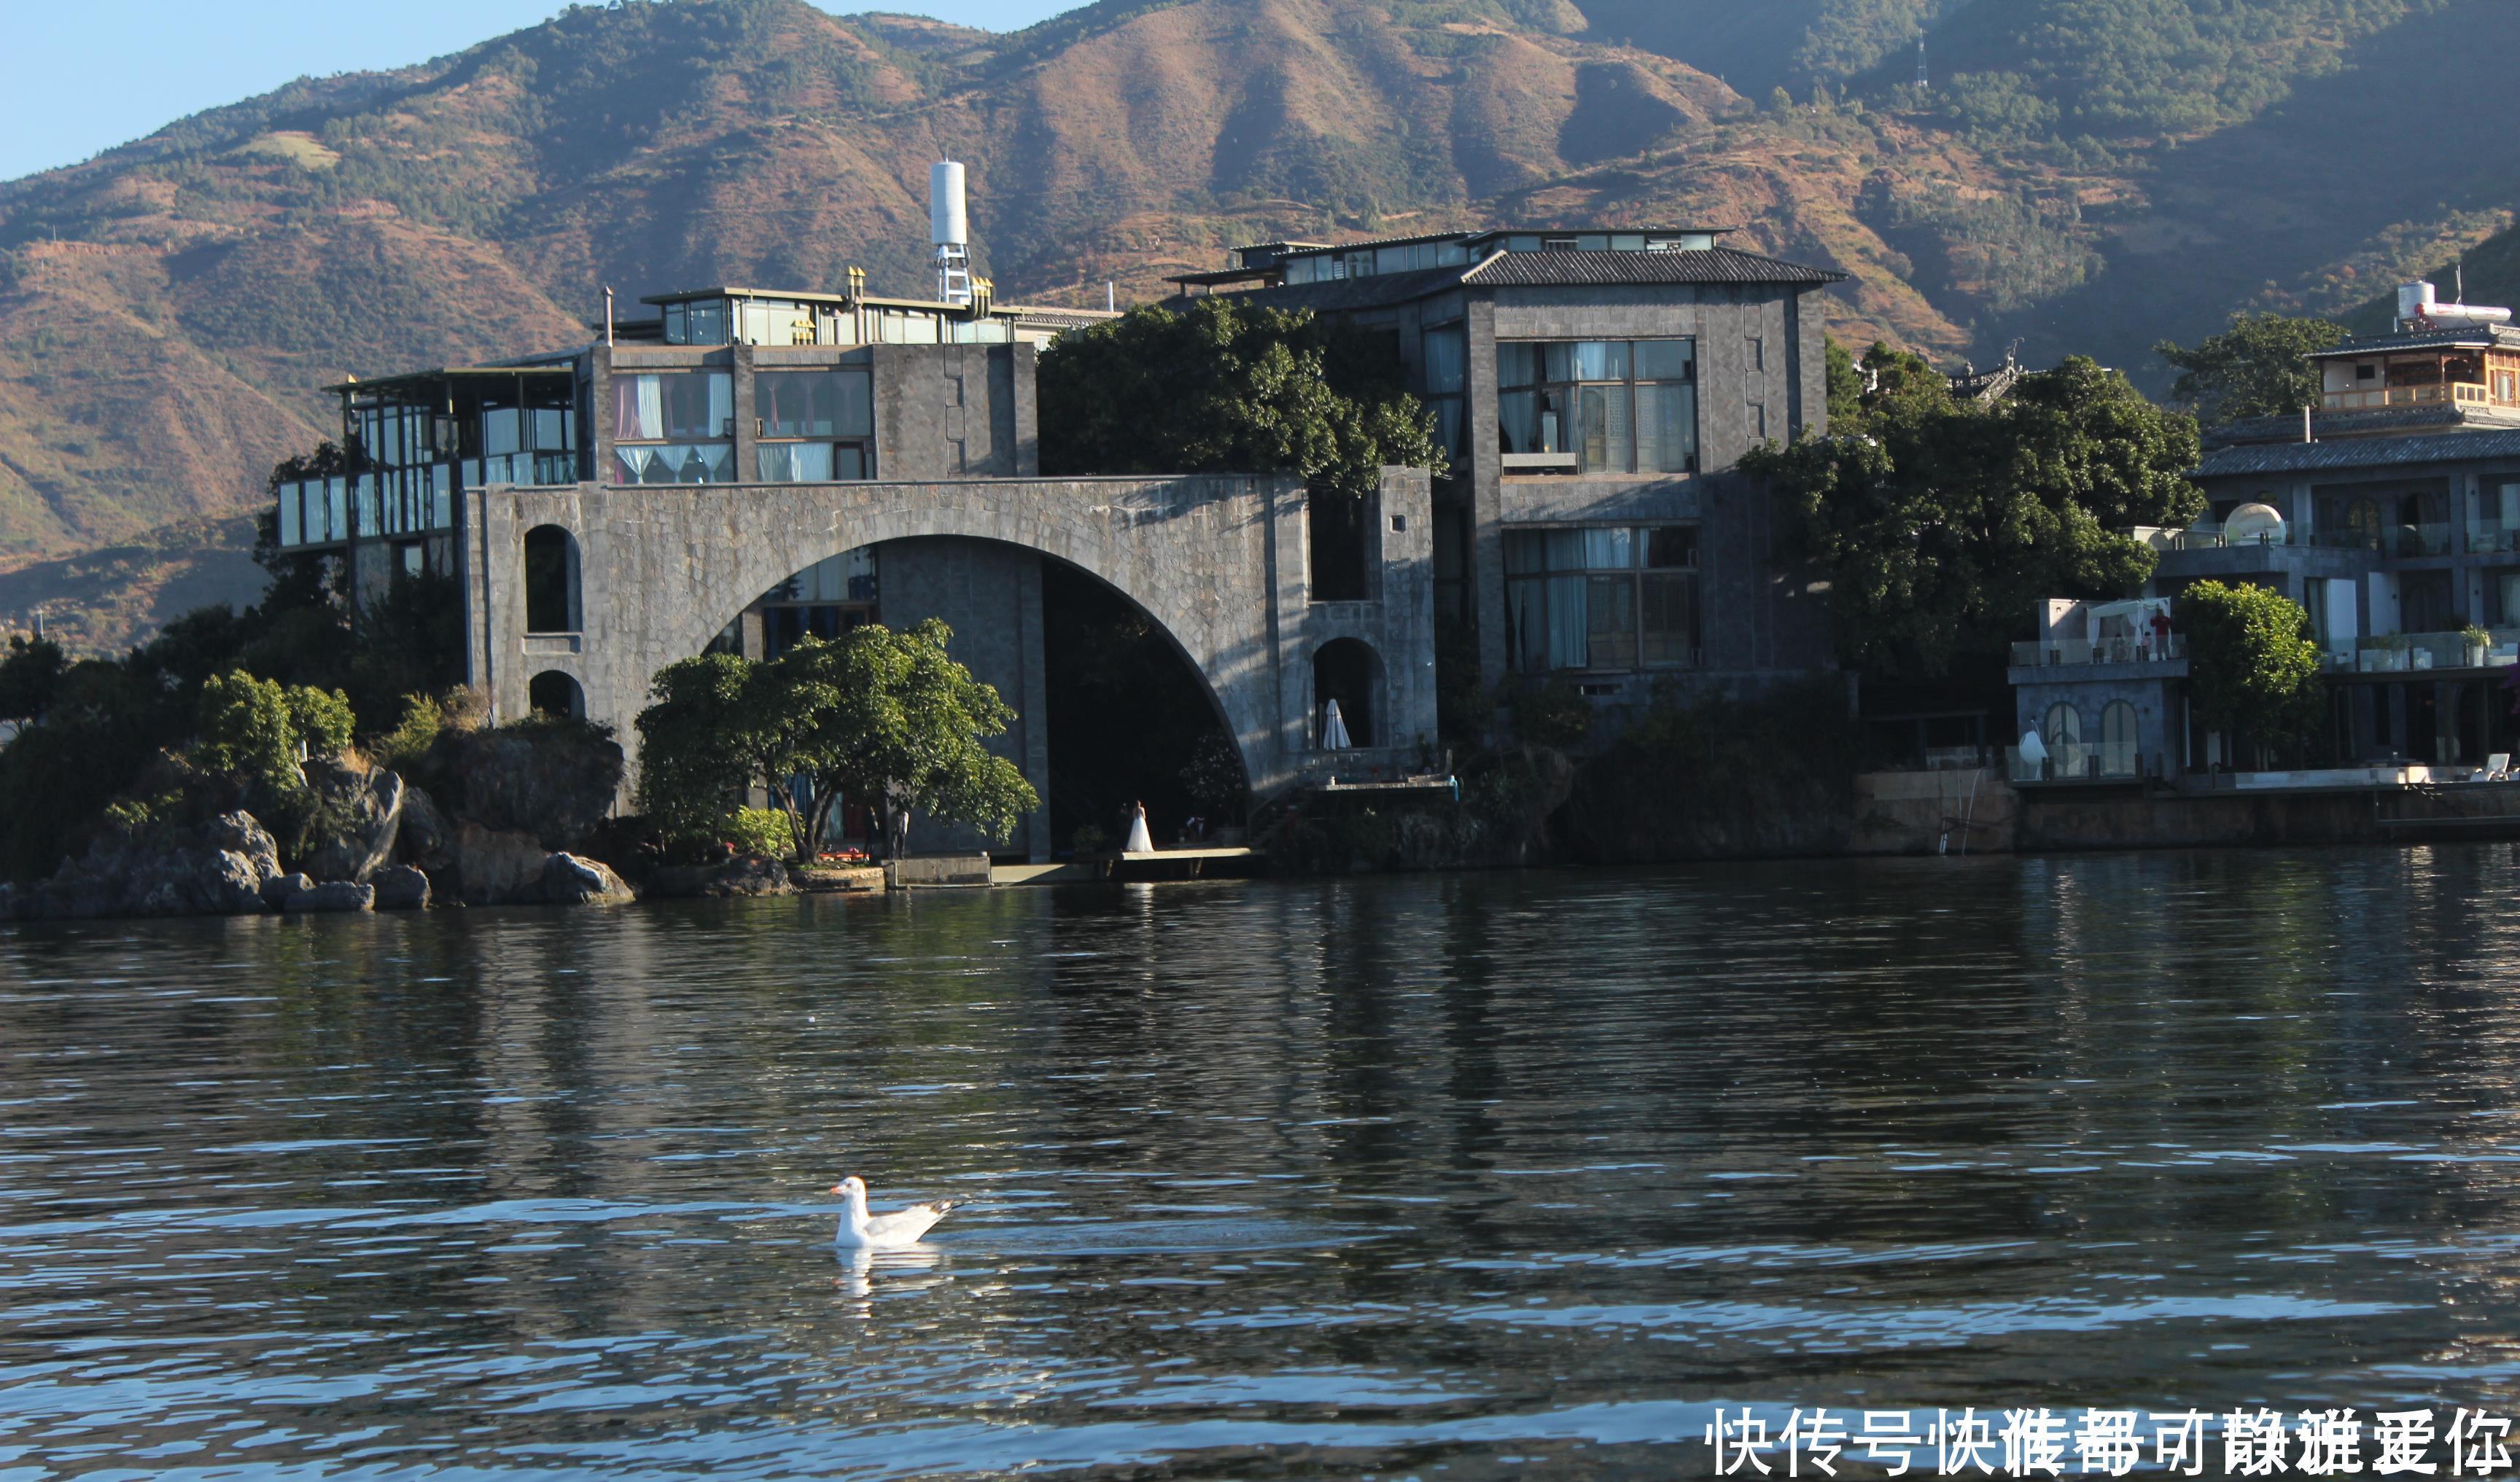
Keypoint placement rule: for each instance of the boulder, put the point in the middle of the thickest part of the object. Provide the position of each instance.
(332, 895)
(568, 880)
(277, 890)
(744, 874)
(493, 867)
(556, 782)
(401, 888)
(217, 869)
(358, 815)
(427, 838)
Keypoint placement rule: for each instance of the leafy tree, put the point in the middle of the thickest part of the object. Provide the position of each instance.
(2252, 664)
(875, 714)
(258, 732)
(29, 677)
(1845, 383)
(2259, 367)
(1222, 386)
(1938, 524)
(905, 721)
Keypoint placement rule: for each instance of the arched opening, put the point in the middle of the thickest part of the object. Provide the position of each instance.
(551, 603)
(2064, 734)
(1109, 709)
(1348, 670)
(1130, 721)
(553, 696)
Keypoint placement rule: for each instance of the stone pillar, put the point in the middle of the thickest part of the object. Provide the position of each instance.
(747, 437)
(1484, 559)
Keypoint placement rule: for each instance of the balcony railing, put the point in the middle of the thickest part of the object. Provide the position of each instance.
(2488, 539)
(2063, 651)
(2442, 393)
(2076, 762)
(2410, 652)
(2390, 540)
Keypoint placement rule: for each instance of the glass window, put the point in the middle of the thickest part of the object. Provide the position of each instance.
(1615, 406)
(1575, 598)
(814, 403)
(673, 462)
(291, 498)
(1441, 362)
(672, 406)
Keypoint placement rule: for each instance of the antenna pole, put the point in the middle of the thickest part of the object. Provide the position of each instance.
(608, 316)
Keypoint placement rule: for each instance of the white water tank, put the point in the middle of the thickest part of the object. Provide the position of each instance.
(948, 224)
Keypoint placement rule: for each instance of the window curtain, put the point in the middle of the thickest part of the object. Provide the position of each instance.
(638, 407)
(1569, 630)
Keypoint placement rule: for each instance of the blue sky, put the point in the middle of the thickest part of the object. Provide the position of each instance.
(88, 74)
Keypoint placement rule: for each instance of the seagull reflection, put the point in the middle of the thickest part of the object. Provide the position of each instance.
(899, 1270)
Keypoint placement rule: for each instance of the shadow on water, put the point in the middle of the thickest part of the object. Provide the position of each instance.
(1500, 1173)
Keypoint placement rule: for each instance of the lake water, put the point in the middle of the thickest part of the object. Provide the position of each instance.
(1456, 1177)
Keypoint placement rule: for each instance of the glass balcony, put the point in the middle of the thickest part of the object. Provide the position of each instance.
(2068, 651)
(2415, 653)
(2462, 394)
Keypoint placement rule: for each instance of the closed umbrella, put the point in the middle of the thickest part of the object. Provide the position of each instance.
(1333, 729)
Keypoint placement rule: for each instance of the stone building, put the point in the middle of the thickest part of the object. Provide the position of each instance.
(1595, 390)
(748, 467)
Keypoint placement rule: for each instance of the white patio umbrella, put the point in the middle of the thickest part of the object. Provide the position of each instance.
(1333, 729)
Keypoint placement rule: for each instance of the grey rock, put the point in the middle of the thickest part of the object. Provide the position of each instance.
(217, 869)
(332, 895)
(495, 867)
(401, 888)
(362, 813)
(568, 880)
(427, 838)
(556, 783)
(277, 890)
(744, 874)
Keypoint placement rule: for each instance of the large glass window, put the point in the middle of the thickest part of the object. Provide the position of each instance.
(1444, 352)
(671, 427)
(814, 426)
(1599, 406)
(1603, 598)
(703, 322)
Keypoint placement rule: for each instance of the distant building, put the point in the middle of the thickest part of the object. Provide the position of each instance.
(1595, 389)
(2390, 513)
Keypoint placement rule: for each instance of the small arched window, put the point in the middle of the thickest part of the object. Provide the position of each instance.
(550, 580)
(2064, 726)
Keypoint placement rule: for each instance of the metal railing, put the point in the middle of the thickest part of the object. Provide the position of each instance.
(2205, 535)
(2063, 651)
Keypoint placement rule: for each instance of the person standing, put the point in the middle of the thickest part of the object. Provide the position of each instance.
(1139, 840)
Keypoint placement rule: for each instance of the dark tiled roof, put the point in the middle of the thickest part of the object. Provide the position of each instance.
(2357, 453)
(1342, 294)
(1713, 265)
(2364, 423)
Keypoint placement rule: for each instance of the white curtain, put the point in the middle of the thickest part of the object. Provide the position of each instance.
(1569, 628)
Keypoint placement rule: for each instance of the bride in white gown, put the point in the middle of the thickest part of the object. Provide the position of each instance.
(1139, 840)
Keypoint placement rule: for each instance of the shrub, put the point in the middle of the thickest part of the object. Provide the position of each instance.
(1554, 714)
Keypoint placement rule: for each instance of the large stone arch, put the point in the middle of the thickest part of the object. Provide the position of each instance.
(1217, 563)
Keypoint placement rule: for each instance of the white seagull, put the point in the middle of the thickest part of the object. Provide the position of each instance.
(897, 1230)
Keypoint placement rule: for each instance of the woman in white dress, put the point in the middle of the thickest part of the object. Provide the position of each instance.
(1139, 840)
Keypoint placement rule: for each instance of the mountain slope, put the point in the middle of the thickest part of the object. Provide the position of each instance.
(2083, 174)
(172, 306)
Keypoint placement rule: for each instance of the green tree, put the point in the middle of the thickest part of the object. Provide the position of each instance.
(1937, 523)
(259, 733)
(29, 677)
(2259, 367)
(1221, 386)
(2252, 665)
(717, 728)
(901, 719)
(875, 714)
